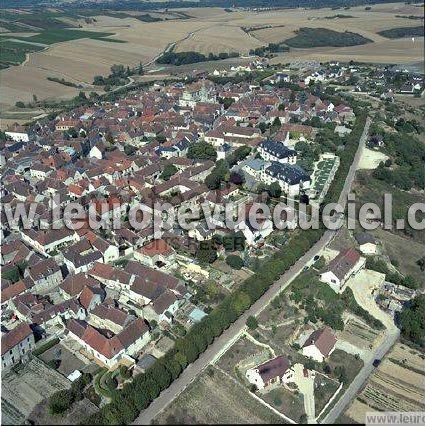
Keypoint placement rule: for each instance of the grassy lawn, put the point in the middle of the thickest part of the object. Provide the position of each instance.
(348, 364)
(324, 388)
(371, 190)
(291, 404)
(245, 354)
(405, 251)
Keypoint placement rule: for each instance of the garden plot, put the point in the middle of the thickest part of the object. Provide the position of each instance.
(25, 386)
(358, 334)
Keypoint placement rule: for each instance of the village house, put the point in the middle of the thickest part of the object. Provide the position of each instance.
(340, 269)
(273, 372)
(277, 151)
(320, 344)
(45, 274)
(163, 308)
(48, 241)
(156, 254)
(16, 344)
(17, 133)
(291, 178)
(367, 243)
(107, 315)
(110, 349)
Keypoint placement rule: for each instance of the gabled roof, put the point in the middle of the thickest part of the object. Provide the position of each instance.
(364, 237)
(323, 339)
(273, 368)
(10, 339)
(74, 284)
(343, 263)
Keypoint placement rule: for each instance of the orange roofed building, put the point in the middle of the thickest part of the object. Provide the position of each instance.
(156, 254)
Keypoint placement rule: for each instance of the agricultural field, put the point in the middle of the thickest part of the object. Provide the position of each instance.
(397, 385)
(228, 402)
(77, 45)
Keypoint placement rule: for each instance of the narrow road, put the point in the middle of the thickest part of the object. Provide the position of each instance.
(193, 370)
(361, 378)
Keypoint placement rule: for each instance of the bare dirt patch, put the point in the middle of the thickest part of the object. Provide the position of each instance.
(228, 403)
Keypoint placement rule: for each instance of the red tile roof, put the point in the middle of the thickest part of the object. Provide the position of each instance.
(13, 337)
(156, 247)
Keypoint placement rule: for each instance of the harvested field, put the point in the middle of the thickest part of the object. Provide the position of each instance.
(357, 411)
(393, 386)
(228, 403)
(205, 30)
(217, 39)
(411, 358)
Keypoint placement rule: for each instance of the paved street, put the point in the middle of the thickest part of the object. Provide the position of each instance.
(361, 378)
(192, 371)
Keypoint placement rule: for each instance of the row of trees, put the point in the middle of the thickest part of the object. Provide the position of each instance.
(269, 49)
(136, 396)
(183, 58)
(412, 321)
(346, 157)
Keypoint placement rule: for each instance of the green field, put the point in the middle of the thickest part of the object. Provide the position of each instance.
(13, 50)
(60, 35)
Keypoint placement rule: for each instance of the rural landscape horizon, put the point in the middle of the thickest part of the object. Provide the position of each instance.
(212, 212)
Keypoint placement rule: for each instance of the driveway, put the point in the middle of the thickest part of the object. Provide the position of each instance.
(306, 387)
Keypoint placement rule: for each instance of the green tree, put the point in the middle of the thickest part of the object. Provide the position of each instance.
(61, 401)
(234, 261)
(201, 151)
(274, 190)
(130, 149)
(169, 170)
(421, 263)
(252, 322)
(206, 253)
